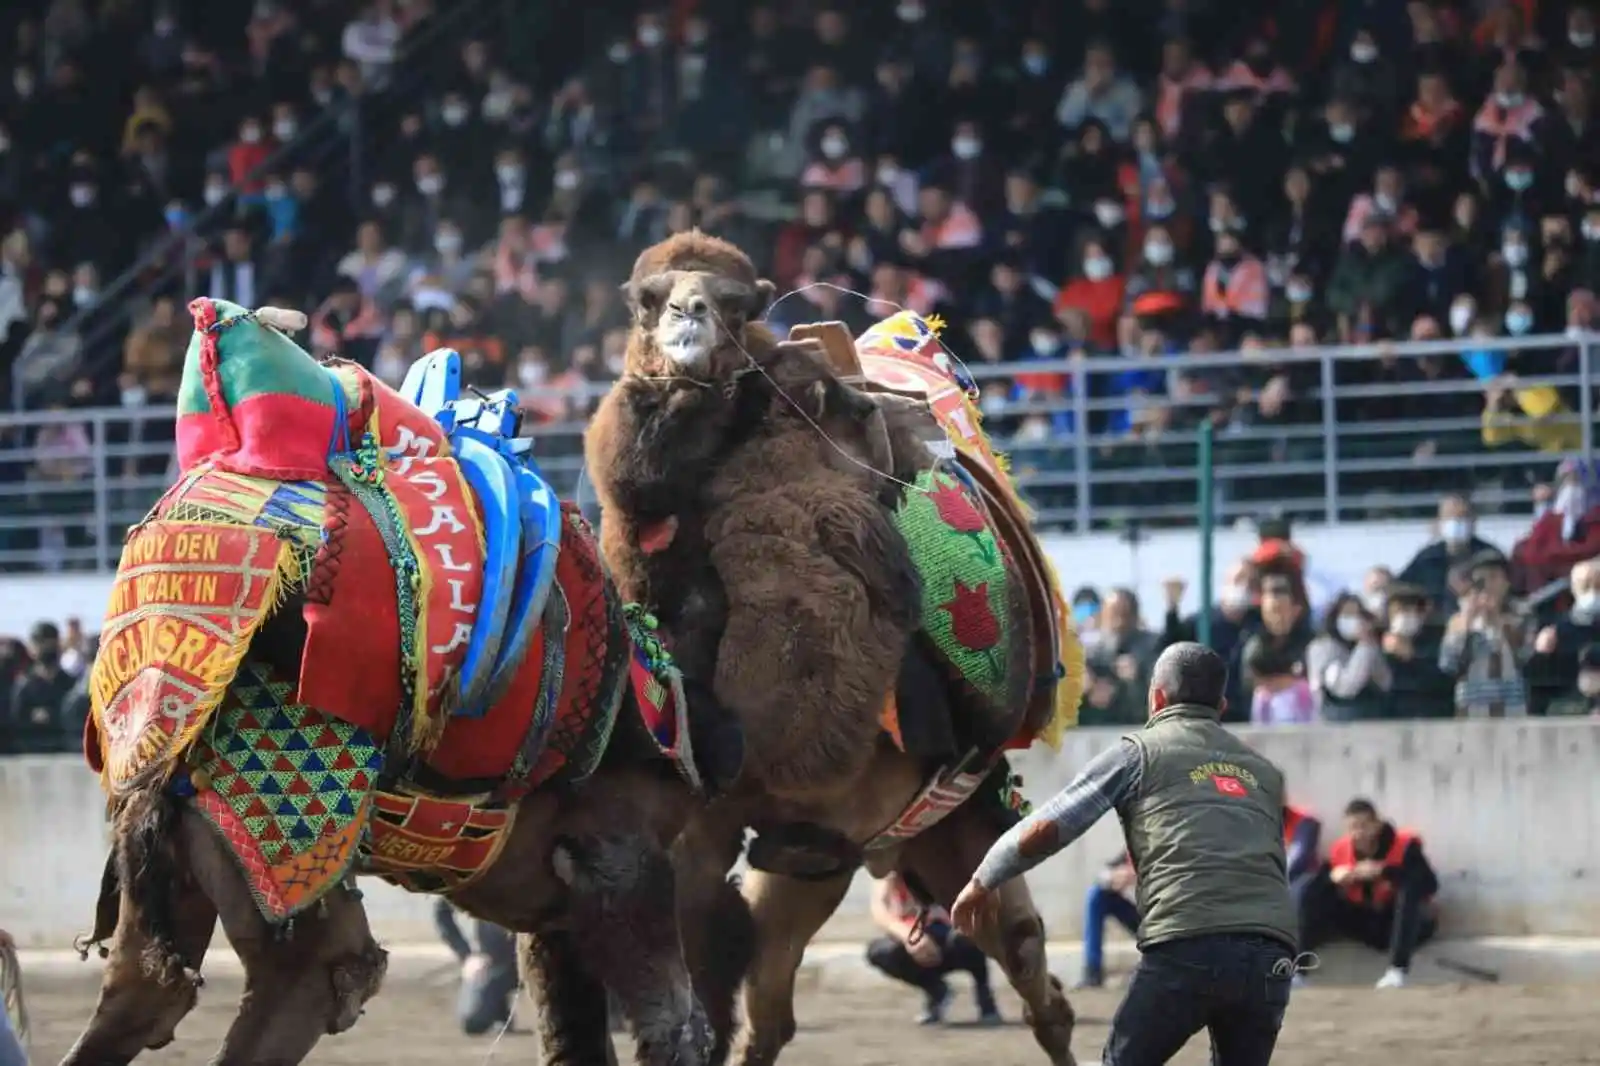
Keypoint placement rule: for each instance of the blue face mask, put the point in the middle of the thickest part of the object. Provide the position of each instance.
(1519, 180)
(1518, 322)
(1083, 612)
(177, 217)
(1035, 64)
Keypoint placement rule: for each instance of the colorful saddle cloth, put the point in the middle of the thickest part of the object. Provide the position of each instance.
(903, 355)
(318, 485)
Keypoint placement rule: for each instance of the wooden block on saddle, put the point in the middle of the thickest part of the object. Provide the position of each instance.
(837, 345)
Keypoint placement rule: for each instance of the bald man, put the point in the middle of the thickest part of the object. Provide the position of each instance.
(1203, 816)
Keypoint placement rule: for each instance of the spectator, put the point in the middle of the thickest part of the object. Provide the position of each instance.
(1233, 617)
(378, 271)
(1484, 645)
(1097, 292)
(1109, 897)
(1369, 281)
(1565, 535)
(1553, 670)
(38, 696)
(1345, 665)
(1376, 889)
(1419, 688)
(1119, 664)
(918, 946)
(1100, 93)
(488, 971)
(1285, 634)
(1435, 568)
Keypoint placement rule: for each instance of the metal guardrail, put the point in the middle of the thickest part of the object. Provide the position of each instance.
(1327, 467)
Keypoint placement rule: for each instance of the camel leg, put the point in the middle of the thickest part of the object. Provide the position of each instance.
(623, 911)
(787, 913)
(302, 980)
(943, 859)
(571, 1001)
(140, 1006)
(718, 938)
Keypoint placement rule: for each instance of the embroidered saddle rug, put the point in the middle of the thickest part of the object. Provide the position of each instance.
(332, 739)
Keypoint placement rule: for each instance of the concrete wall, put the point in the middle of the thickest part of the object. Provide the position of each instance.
(1510, 812)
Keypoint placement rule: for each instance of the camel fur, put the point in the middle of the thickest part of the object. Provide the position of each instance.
(798, 595)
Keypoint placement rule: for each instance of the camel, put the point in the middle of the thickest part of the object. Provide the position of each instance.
(246, 600)
(767, 507)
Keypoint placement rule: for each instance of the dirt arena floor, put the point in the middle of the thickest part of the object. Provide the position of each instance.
(864, 1025)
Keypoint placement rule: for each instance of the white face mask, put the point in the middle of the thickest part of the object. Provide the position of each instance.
(888, 174)
(1035, 63)
(1581, 38)
(83, 296)
(134, 396)
(1342, 132)
(454, 114)
(496, 106)
(618, 53)
(1455, 530)
(1375, 602)
(508, 173)
(447, 243)
(1097, 268)
(285, 128)
(1107, 213)
(1460, 318)
(430, 184)
(566, 179)
(1158, 253)
(81, 195)
(1363, 52)
(1508, 99)
(1587, 602)
(1160, 209)
(1514, 254)
(276, 192)
(650, 36)
(1589, 683)
(382, 195)
(531, 373)
(1518, 322)
(215, 194)
(910, 12)
(1405, 625)
(5, 143)
(250, 134)
(966, 147)
(1384, 202)
(1350, 626)
(835, 147)
(1298, 294)
(1042, 342)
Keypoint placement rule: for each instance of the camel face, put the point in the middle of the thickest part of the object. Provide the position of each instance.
(694, 320)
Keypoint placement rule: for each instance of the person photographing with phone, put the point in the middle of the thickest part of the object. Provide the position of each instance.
(1484, 645)
(1203, 815)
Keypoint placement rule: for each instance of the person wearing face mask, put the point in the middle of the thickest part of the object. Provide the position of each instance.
(971, 172)
(38, 696)
(1098, 292)
(1565, 535)
(1234, 616)
(247, 155)
(1345, 665)
(1119, 663)
(1434, 568)
(1486, 644)
(1367, 77)
(1418, 688)
(1371, 274)
(1234, 292)
(1555, 666)
(1159, 273)
(836, 168)
(1505, 126)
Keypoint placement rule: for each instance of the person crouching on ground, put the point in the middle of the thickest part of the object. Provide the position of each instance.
(1203, 815)
(923, 956)
(1108, 898)
(488, 974)
(1377, 889)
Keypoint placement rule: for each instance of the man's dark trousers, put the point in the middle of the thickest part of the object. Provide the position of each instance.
(1235, 985)
(957, 954)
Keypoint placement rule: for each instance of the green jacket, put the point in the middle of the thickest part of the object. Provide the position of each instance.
(1205, 830)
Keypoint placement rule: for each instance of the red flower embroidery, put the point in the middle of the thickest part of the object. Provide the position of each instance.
(972, 623)
(956, 509)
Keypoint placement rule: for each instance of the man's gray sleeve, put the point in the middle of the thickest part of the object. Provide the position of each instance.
(1109, 779)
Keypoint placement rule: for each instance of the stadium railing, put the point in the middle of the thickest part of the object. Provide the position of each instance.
(1329, 462)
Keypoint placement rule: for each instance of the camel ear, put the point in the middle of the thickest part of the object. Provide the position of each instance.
(648, 293)
(761, 298)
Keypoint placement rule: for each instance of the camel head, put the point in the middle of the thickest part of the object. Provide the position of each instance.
(692, 297)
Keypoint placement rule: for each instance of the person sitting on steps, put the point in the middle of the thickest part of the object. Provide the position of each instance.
(922, 957)
(1376, 888)
(1108, 898)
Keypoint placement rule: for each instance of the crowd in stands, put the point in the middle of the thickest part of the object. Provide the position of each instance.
(1126, 178)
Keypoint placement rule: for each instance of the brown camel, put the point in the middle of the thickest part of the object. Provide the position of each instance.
(750, 497)
(576, 856)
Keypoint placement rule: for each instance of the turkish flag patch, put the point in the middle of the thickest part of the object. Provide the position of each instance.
(1228, 786)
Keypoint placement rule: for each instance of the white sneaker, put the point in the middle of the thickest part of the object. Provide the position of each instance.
(1393, 977)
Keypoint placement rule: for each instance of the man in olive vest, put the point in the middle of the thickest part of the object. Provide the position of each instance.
(1203, 817)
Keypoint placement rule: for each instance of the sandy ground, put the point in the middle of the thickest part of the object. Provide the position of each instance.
(410, 1022)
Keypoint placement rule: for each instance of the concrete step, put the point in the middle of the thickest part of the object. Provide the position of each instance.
(1511, 960)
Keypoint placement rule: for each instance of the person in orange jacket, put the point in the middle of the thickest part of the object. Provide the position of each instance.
(1376, 888)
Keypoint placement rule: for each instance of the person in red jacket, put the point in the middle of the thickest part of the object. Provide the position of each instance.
(1097, 292)
(1376, 888)
(1566, 534)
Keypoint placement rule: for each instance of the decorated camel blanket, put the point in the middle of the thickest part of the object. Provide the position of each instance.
(961, 521)
(318, 486)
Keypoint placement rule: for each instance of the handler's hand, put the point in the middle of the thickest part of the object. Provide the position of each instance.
(974, 908)
(1368, 870)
